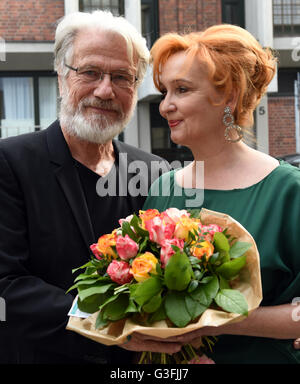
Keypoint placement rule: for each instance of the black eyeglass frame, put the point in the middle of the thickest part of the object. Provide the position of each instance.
(102, 73)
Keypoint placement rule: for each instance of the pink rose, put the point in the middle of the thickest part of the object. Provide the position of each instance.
(119, 272)
(126, 247)
(159, 230)
(167, 251)
(201, 360)
(210, 230)
(174, 214)
(95, 250)
(128, 219)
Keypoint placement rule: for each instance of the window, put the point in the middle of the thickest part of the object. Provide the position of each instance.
(150, 28)
(27, 102)
(286, 17)
(116, 7)
(161, 143)
(233, 12)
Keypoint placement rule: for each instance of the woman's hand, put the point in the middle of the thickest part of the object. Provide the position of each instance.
(297, 343)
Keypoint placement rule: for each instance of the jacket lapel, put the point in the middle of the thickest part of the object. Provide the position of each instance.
(68, 178)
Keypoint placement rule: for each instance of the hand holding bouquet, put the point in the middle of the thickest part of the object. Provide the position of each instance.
(160, 273)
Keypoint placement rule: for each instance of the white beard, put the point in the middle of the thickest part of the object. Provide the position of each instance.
(95, 128)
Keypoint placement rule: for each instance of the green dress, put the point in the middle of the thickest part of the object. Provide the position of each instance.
(270, 211)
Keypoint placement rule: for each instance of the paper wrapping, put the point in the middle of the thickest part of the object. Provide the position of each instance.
(249, 283)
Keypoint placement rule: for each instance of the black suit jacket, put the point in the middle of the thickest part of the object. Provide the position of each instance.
(45, 231)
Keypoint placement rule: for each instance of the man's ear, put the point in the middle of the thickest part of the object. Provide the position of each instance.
(60, 87)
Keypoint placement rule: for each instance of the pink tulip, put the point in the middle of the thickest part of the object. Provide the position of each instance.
(119, 272)
(95, 250)
(167, 251)
(159, 230)
(126, 247)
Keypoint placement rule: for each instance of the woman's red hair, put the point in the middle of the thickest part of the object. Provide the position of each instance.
(233, 58)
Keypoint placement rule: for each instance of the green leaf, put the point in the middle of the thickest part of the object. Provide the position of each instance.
(231, 268)
(92, 303)
(100, 321)
(127, 230)
(138, 229)
(158, 315)
(221, 242)
(116, 309)
(238, 249)
(194, 308)
(82, 266)
(223, 283)
(178, 272)
(143, 245)
(194, 213)
(232, 300)
(101, 288)
(153, 304)
(131, 306)
(193, 285)
(145, 290)
(205, 293)
(176, 308)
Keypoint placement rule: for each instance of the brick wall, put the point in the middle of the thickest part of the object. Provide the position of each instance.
(29, 20)
(281, 126)
(188, 15)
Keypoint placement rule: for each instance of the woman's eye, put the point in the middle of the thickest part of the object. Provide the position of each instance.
(181, 89)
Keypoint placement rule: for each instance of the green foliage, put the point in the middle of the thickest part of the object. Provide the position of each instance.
(180, 292)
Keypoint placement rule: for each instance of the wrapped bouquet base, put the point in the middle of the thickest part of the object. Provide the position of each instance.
(248, 283)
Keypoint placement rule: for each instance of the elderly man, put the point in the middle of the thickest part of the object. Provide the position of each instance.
(51, 210)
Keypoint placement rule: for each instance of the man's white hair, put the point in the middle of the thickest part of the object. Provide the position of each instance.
(71, 24)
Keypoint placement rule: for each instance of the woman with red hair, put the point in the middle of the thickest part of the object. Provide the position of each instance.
(211, 82)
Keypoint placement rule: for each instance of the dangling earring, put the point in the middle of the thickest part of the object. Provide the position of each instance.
(228, 121)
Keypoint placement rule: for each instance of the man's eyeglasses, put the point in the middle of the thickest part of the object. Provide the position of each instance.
(120, 79)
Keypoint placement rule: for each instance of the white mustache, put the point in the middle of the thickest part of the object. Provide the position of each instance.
(87, 102)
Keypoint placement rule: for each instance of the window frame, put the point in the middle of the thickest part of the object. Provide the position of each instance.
(121, 7)
(35, 75)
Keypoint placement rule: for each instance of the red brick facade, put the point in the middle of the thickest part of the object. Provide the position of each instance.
(281, 126)
(35, 20)
(188, 15)
(29, 20)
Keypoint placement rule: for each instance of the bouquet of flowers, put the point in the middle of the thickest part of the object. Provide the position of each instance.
(165, 274)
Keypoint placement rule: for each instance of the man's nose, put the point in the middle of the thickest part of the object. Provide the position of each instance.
(104, 88)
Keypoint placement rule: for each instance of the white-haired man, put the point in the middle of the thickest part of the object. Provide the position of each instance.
(51, 211)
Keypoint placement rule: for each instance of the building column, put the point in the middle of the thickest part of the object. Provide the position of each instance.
(133, 15)
(71, 6)
(259, 22)
(144, 126)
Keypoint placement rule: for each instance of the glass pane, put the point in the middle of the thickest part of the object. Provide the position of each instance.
(47, 101)
(17, 110)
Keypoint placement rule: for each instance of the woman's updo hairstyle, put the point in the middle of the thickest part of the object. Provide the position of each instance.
(233, 58)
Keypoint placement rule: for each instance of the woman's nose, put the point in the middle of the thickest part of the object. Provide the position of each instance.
(166, 106)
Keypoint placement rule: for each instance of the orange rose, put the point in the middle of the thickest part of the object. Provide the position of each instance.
(143, 265)
(184, 226)
(148, 215)
(206, 248)
(105, 244)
